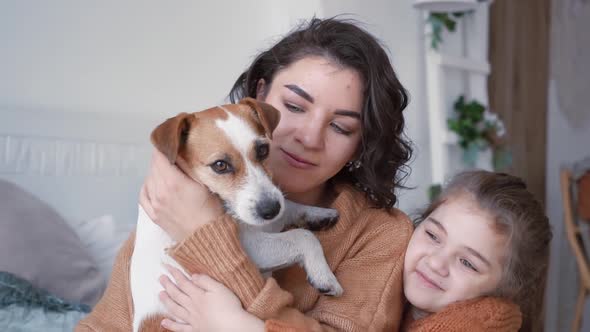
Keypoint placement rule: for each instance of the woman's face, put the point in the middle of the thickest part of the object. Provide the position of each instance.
(453, 255)
(320, 128)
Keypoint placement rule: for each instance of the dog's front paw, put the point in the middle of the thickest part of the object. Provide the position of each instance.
(323, 221)
(326, 284)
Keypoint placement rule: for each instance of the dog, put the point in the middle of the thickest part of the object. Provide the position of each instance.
(225, 148)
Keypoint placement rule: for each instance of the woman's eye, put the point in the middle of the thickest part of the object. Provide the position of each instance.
(221, 167)
(467, 264)
(293, 108)
(339, 129)
(432, 236)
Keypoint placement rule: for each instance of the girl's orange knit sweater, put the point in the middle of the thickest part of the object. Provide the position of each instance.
(485, 314)
(365, 249)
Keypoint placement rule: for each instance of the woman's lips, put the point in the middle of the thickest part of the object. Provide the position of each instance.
(297, 161)
(427, 281)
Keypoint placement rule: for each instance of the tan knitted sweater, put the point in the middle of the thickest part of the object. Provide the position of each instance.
(479, 315)
(486, 314)
(365, 249)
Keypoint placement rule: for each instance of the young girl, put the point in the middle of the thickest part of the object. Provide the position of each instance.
(476, 259)
(340, 143)
(478, 254)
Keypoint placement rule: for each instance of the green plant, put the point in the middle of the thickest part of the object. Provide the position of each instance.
(467, 123)
(433, 191)
(440, 21)
(479, 129)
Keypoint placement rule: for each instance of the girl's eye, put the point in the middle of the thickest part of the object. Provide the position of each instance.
(293, 108)
(432, 236)
(339, 129)
(467, 264)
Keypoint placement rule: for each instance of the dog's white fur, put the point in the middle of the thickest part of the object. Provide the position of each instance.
(261, 239)
(257, 181)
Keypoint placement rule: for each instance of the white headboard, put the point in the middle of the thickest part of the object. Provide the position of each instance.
(83, 164)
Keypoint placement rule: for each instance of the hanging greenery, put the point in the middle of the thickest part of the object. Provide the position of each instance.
(433, 191)
(441, 21)
(479, 129)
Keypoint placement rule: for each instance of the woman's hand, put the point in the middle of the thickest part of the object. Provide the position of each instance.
(174, 201)
(203, 304)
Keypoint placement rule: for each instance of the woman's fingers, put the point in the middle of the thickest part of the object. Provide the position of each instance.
(206, 283)
(186, 285)
(175, 293)
(176, 326)
(157, 180)
(176, 310)
(144, 201)
(169, 172)
(148, 196)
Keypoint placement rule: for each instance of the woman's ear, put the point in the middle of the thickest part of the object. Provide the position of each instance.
(261, 90)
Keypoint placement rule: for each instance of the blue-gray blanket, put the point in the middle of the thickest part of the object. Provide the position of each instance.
(24, 307)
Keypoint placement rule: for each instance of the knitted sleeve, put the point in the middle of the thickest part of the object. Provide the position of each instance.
(371, 277)
(114, 310)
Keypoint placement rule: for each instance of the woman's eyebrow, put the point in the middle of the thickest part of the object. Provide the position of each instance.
(351, 114)
(300, 92)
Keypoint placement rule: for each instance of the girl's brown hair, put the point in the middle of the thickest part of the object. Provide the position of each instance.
(519, 216)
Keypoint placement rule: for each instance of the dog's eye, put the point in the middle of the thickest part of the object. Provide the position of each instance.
(261, 151)
(221, 167)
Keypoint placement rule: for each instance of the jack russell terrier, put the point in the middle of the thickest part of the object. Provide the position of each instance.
(224, 148)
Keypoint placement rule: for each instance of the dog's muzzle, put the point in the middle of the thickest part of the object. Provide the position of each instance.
(268, 209)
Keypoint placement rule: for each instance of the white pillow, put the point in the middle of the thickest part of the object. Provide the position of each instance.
(103, 238)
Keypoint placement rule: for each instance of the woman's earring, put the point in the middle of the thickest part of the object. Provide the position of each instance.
(353, 165)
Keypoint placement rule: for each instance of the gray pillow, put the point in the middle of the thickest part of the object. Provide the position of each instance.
(38, 245)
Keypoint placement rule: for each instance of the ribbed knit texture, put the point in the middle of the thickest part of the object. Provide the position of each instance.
(479, 315)
(485, 314)
(115, 309)
(273, 325)
(365, 249)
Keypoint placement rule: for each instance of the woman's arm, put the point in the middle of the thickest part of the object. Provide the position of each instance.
(113, 311)
(202, 304)
(371, 276)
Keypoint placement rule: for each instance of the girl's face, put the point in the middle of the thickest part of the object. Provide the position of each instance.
(320, 128)
(453, 255)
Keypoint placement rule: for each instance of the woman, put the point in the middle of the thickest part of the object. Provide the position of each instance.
(339, 144)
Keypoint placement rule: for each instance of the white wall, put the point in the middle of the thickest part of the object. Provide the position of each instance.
(160, 58)
(132, 56)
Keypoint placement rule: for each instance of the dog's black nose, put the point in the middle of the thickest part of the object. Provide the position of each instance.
(268, 209)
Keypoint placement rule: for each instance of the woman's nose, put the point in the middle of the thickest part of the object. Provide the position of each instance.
(311, 133)
(438, 263)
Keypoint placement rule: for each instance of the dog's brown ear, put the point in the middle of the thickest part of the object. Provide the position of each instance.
(170, 136)
(265, 114)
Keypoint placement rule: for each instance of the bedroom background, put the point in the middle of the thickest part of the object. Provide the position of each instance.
(83, 83)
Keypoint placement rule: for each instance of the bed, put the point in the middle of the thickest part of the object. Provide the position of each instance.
(69, 183)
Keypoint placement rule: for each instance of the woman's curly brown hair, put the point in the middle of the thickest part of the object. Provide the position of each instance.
(384, 150)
